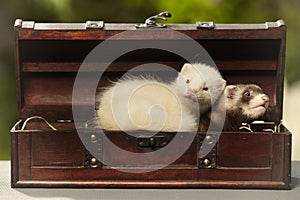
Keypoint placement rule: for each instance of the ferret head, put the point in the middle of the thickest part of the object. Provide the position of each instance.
(203, 83)
(246, 101)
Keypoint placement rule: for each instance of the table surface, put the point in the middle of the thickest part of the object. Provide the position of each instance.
(7, 193)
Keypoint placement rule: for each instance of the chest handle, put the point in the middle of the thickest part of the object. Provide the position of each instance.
(40, 118)
(150, 22)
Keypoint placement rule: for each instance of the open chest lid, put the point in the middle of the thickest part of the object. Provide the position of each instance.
(49, 55)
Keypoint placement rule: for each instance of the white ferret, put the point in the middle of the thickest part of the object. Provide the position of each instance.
(144, 103)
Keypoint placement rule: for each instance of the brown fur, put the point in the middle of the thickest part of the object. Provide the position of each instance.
(243, 103)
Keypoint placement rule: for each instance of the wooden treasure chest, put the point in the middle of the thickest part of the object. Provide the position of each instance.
(61, 69)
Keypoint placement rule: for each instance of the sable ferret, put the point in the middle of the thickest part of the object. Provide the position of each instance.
(244, 103)
(144, 103)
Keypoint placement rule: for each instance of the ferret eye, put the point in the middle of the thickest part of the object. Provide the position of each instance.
(205, 88)
(188, 81)
(247, 94)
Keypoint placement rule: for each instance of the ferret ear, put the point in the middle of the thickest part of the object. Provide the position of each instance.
(186, 68)
(230, 91)
(223, 83)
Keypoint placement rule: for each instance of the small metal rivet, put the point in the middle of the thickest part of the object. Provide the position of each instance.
(206, 162)
(93, 138)
(152, 142)
(64, 121)
(93, 161)
(208, 139)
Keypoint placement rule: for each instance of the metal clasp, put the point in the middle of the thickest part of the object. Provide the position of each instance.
(150, 22)
(152, 142)
(208, 159)
(261, 126)
(279, 126)
(247, 127)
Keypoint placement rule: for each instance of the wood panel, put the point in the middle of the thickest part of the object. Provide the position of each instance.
(56, 149)
(259, 65)
(245, 150)
(155, 184)
(24, 152)
(76, 51)
(281, 157)
(129, 143)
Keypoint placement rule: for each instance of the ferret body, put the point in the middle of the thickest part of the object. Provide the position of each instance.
(144, 103)
(243, 103)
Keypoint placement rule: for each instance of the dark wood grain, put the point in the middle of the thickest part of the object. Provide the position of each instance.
(281, 157)
(128, 143)
(56, 149)
(14, 157)
(155, 184)
(48, 57)
(252, 32)
(24, 152)
(177, 175)
(254, 150)
(70, 51)
(125, 66)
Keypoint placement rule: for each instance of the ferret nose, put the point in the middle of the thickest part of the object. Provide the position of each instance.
(265, 98)
(190, 92)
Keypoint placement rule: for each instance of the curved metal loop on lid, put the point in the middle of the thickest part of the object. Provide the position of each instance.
(37, 117)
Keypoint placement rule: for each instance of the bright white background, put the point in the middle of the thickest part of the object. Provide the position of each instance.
(291, 116)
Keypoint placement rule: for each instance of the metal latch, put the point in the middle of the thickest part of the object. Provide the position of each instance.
(152, 142)
(261, 126)
(93, 141)
(205, 25)
(208, 160)
(94, 25)
(150, 22)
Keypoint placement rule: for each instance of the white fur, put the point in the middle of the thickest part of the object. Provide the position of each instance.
(148, 104)
(201, 76)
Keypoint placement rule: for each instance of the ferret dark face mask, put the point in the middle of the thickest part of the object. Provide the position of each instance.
(248, 99)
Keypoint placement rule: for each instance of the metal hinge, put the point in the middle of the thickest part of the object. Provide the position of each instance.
(93, 143)
(19, 23)
(94, 25)
(278, 23)
(208, 160)
(205, 25)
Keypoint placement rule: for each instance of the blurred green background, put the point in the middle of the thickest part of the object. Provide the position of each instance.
(187, 11)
